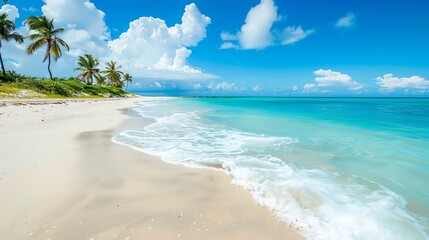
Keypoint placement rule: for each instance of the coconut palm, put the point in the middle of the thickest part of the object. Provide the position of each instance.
(128, 79)
(8, 33)
(101, 80)
(44, 33)
(89, 67)
(112, 73)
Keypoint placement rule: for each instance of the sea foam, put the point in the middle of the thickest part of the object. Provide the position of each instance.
(321, 204)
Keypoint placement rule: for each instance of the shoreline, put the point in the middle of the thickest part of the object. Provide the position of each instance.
(66, 179)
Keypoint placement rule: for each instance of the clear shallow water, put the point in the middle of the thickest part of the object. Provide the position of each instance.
(337, 168)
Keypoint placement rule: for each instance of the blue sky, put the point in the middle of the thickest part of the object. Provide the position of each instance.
(287, 47)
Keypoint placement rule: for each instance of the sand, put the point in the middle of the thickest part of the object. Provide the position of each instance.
(61, 177)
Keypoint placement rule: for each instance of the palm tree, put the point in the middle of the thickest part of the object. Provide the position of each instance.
(128, 79)
(89, 67)
(45, 34)
(7, 33)
(112, 73)
(101, 80)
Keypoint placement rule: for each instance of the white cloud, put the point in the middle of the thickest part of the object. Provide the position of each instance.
(148, 49)
(11, 11)
(389, 83)
(197, 86)
(15, 55)
(16, 65)
(86, 30)
(326, 79)
(30, 9)
(331, 78)
(257, 32)
(229, 45)
(225, 36)
(77, 14)
(294, 34)
(346, 21)
(223, 86)
(83, 42)
(257, 88)
(309, 87)
(152, 49)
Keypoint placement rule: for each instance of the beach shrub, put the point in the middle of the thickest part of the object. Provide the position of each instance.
(48, 87)
(60, 87)
(73, 84)
(6, 79)
(8, 89)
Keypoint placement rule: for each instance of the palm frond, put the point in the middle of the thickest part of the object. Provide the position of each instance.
(35, 36)
(34, 46)
(14, 36)
(63, 43)
(56, 50)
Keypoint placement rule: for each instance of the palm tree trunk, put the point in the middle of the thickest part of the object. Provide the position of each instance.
(49, 66)
(2, 66)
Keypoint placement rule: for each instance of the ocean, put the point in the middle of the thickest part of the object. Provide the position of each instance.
(335, 168)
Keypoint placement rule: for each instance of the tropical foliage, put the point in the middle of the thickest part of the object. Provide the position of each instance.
(128, 79)
(89, 67)
(21, 86)
(112, 73)
(45, 34)
(7, 33)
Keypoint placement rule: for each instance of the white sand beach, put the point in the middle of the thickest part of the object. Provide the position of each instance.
(61, 177)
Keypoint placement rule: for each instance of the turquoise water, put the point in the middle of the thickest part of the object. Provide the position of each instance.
(336, 168)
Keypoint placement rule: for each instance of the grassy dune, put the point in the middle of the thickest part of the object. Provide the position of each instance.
(16, 86)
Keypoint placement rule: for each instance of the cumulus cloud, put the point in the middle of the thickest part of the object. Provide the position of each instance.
(326, 79)
(86, 30)
(346, 21)
(331, 78)
(77, 14)
(257, 31)
(11, 11)
(389, 83)
(150, 48)
(147, 49)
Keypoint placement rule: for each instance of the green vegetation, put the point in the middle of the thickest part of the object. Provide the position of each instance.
(112, 73)
(128, 79)
(23, 86)
(89, 67)
(43, 34)
(7, 34)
